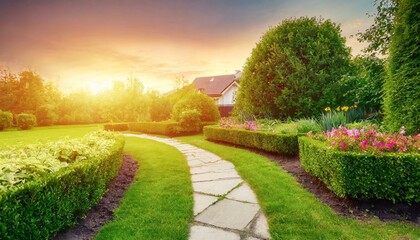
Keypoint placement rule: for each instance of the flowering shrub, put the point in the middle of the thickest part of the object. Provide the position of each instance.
(231, 123)
(369, 139)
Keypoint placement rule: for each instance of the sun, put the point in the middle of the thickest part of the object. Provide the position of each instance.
(98, 86)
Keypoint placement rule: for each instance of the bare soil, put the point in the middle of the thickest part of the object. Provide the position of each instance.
(361, 209)
(97, 217)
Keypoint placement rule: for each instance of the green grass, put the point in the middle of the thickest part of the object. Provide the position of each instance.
(44, 134)
(293, 212)
(159, 204)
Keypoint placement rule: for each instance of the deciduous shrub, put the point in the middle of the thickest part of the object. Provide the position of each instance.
(189, 120)
(392, 176)
(25, 121)
(293, 71)
(6, 120)
(116, 126)
(204, 104)
(53, 199)
(402, 86)
(272, 142)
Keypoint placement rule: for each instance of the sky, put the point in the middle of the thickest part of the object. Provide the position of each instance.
(91, 43)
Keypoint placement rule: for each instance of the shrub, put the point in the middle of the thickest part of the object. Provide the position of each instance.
(55, 199)
(116, 127)
(230, 122)
(359, 125)
(46, 115)
(189, 120)
(25, 121)
(204, 104)
(391, 176)
(402, 88)
(280, 143)
(294, 69)
(6, 120)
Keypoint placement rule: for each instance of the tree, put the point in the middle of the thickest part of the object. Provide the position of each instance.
(363, 86)
(160, 107)
(402, 87)
(294, 69)
(379, 34)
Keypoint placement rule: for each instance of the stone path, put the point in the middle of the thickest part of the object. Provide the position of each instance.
(225, 207)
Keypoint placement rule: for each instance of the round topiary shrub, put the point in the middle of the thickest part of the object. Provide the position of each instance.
(25, 121)
(205, 106)
(6, 120)
(293, 71)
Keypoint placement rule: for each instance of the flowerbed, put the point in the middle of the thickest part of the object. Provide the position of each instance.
(370, 140)
(47, 187)
(280, 143)
(372, 173)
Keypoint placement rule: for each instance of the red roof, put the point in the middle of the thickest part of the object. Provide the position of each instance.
(214, 85)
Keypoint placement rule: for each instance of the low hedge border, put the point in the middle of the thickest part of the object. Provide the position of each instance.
(171, 129)
(391, 176)
(116, 126)
(41, 208)
(286, 144)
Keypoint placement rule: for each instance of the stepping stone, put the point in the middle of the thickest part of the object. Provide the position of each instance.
(202, 201)
(243, 193)
(219, 187)
(215, 176)
(220, 166)
(260, 227)
(229, 214)
(209, 233)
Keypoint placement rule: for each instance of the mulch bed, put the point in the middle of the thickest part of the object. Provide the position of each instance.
(360, 209)
(104, 211)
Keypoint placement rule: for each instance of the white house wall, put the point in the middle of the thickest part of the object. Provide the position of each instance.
(227, 97)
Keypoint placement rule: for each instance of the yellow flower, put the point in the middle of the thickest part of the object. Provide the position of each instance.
(327, 109)
(338, 109)
(345, 108)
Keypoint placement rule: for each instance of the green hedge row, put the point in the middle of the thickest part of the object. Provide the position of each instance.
(170, 129)
(116, 127)
(389, 176)
(286, 144)
(40, 208)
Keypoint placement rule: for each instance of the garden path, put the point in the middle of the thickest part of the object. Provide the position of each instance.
(225, 207)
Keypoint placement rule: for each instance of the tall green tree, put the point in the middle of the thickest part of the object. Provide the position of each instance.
(402, 87)
(293, 71)
(378, 35)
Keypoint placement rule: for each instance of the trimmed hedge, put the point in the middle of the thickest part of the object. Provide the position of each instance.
(40, 208)
(170, 129)
(116, 126)
(391, 176)
(286, 144)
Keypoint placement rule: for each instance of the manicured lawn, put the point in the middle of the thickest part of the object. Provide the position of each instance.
(45, 134)
(159, 204)
(293, 212)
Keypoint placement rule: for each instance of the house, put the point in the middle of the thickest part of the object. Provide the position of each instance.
(222, 89)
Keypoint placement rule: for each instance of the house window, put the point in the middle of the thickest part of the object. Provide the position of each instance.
(234, 94)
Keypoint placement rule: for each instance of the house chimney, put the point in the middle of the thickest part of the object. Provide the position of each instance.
(238, 74)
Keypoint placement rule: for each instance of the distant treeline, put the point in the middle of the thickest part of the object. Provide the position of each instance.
(28, 92)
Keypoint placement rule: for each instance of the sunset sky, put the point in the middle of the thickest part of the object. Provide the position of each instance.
(88, 44)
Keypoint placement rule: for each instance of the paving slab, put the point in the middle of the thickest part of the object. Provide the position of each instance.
(210, 233)
(215, 176)
(261, 227)
(218, 187)
(243, 193)
(202, 201)
(229, 214)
